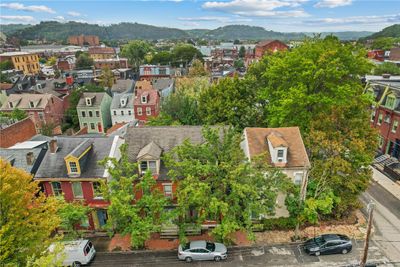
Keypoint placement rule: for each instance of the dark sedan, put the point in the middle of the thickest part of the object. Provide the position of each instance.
(328, 244)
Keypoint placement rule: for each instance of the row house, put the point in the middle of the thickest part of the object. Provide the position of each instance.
(94, 112)
(66, 63)
(41, 108)
(146, 104)
(122, 110)
(385, 114)
(111, 63)
(82, 40)
(70, 168)
(148, 72)
(24, 61)
(101, 52)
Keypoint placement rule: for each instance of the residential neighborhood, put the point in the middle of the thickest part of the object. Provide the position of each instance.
(127, 144)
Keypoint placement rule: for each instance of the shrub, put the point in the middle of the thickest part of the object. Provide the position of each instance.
(279, 223)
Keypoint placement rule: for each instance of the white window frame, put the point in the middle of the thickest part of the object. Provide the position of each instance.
(73, 167)
(148, 111)
(295, 181)
(395, 126)
(54, 191)
(98, 196)
(380, 119)
(139, 111)
(168, 194)
(73, 190)
(144, 99)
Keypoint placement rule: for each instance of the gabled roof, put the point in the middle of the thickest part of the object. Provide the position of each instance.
(116, 101)
(22, 101)
(121, 86)
(82, 147)
(96, 99)
(151, 149)
(256, 141)
(277, 140)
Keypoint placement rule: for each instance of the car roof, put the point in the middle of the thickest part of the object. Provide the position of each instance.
(198, 244)
(330, 237)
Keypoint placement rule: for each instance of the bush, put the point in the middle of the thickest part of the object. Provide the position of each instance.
(279, 223)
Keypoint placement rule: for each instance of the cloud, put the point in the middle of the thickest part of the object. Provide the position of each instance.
(59, 18)
(395, 18)
(18, 18)
(74, 14)
(259, 8)
(22, 7)
(215, 19)
(333, 3)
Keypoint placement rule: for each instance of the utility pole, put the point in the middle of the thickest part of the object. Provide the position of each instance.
(370, 208)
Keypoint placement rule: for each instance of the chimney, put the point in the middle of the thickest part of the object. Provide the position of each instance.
(53, 146)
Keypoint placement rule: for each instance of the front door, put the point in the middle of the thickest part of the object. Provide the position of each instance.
(102, 217)
(99, 127)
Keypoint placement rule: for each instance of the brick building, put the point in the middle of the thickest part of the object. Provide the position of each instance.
(146, 104)
(269, 45)
(82, 40)
(26, 62)
(101, 52)
(16, 132)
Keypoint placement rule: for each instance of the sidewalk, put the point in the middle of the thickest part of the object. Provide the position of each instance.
(386, 183)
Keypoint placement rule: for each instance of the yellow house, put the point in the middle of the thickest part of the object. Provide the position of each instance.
(99, 53)
(27, 62)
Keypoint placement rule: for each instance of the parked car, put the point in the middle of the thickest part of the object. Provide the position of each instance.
(202, 250)
(328, 244)
(77, 252)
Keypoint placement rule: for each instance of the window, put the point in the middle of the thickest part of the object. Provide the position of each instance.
(90, 114)
(10, 104)
(97, 113)
(280, 153)
(144, 99)
(148, 111)
(41, 115)
(139, 111)
(298, 178)
(73, 167)
(380, 117)
(122, 112)
(115, 112)
(152, 166)
(92, 126)
(56, 186)
(129, 112)
(373, 115)
(31, 104)
(387, 118)
(167, 190)
(380, 141)
(143, 166)
(97, 190)
(390, 101)
(148, 165)
(88, 101)
(83, 114)
(84, 124)
(77, 190)
(394, 126)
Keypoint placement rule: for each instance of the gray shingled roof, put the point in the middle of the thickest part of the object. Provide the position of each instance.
(151, 149)
(161, 83)
(96, 101)
(81, 148)
(53, 164)
(116, 101)
(121, 86)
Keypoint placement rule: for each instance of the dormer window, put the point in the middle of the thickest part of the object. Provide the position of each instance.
(88, 101)
(278, 148)
(390, 101)
(73, 167)
(144, 99)
(39, 86)
(280, 154)
(31, 104)
(19, 86)
(148, 165)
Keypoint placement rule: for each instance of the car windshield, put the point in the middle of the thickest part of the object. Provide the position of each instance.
(185, 246)
(210, 246)
(319, 240)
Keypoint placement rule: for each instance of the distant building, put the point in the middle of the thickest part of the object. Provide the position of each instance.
(122, 108)
(148, 72)
(377, 55)
(67, 63)
(94, 112)
(269, 45)
(82, 40)
(101, 52)
(146, 104)
(111, 63)
(27, 62)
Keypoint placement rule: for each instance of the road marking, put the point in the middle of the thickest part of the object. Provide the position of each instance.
(279, 251)
(258, 252)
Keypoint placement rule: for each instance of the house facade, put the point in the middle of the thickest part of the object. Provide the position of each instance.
(146, 104)
(41, 108)
(284, 149)
(122, 110)
(100, 52)
(269, 45)
(70, 169)
(147, 72)
(94, 112)
(24, 61)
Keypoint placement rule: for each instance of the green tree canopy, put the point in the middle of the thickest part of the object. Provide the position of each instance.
(84, 61)
(136, 51)
(184, 54)
(162, 58)
(197, 69)
(385, 43)
(6, 65)
(387, 68)
(216, 182)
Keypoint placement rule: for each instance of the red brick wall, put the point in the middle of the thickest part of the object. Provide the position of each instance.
(275, 45)
(385, 129)
(53, 113)
(155, 110)
(17, 132)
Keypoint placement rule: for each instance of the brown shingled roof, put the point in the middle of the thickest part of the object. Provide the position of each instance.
(277, 140)
(257, 144)
(6, 86)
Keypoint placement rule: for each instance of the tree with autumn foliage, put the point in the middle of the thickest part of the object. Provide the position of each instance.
(137, 217)
(317, 87)
(28, 218)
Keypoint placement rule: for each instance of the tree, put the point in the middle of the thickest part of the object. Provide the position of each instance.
(387, 68)
(51, 61)
(317, 87)
(162, 120)
(197, 69)
(47, 128)
(242, 52)
(28, 218)
(107, 78)
(18, 114)
(84, 61)
(6, 65)
(162, 58)
(238, 64)
(216, 182)
(136, 51)
(72, 214)
(137, 217)
(232, 102)
(181, 108)
(385, 43)
(185, 53)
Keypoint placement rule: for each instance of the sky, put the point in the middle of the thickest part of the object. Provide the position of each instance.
(276, 15)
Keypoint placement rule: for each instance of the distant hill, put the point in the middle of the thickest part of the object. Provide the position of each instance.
(243, 32)
(56, 31)
(345, 36)
(391, 31)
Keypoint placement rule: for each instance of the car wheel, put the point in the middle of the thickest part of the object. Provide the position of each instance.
(317, 253)
(218, 258)
(76, 264)
(188, 259)
(344, 251)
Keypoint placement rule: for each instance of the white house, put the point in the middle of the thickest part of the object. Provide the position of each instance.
(122, 108)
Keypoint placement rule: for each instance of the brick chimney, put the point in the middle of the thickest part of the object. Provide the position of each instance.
(53, 146)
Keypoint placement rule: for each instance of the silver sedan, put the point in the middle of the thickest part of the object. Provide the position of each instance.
(202, 250)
